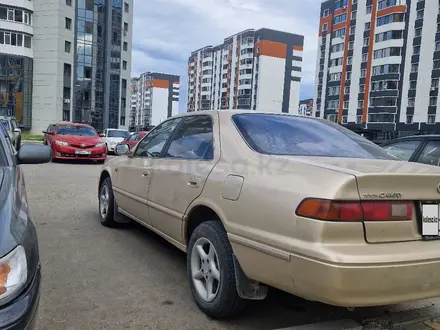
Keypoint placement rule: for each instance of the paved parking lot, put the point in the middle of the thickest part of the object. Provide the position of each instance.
(99, 278)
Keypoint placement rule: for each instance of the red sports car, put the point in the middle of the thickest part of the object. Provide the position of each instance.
(77, 141)
(133, 139)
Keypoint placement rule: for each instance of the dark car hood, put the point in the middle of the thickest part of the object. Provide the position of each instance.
(75, 139)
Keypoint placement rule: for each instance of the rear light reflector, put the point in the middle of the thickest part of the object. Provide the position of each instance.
(347, 211)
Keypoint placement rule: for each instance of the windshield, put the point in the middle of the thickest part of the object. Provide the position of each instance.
(298, 136)
(76, 130)
(118, 134)
(5, 124)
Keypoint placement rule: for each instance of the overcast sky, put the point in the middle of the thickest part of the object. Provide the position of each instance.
(166, 31)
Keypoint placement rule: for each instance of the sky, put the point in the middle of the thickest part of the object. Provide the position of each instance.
(165, 32)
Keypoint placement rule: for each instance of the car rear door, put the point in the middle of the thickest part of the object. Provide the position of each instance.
(429, 153)
(178, 178)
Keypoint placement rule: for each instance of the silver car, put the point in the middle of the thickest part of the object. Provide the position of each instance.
(14, 132)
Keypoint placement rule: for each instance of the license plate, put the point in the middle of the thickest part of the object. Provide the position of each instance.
(82, 152)
(430, 221)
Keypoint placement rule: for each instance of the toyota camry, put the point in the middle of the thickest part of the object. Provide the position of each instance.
(262, 200)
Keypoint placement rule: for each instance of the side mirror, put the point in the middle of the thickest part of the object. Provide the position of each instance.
(34, 154)
(17, 130)
(44, 132)
(101, 135)
(122, 149)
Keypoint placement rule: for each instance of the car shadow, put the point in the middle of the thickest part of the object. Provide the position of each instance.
(278, 310)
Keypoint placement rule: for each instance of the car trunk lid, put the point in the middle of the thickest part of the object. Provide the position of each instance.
(385, 180)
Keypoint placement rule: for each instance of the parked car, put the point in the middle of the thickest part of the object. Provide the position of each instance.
(423, 149)
(133, 139)
(20, 273)
(47, 135)
(73, 141)
(12, 128)
(113, 136)
(300, 204)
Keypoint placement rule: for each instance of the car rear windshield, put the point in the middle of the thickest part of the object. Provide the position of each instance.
(77, 130)
(298, 136)
(118, 134)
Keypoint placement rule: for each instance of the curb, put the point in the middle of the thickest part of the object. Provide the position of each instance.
(425, 318)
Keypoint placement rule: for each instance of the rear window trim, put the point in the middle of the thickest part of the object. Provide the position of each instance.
(281, 154)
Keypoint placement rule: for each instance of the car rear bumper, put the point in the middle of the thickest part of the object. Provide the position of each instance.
(72, 153)
(22, 312)
(373, 275)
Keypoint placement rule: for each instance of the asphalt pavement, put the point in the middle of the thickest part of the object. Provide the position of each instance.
(129, 278)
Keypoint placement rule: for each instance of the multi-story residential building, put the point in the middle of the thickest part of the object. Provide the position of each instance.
(253, 69)
(73, 64)
(378, 67)
(306, 107)
(156, 98)
(16, 59)
(134, 119)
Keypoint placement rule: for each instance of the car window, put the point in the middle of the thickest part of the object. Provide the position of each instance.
(50, 128)
(299, 136)
(77, 130)
(193, 140)
(118, 134)
(430, 154)
(134, 137)
(402, 150)
(153, 143)
(14, 124)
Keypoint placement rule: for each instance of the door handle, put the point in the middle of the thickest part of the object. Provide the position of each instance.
(194, 182)
(145, 174)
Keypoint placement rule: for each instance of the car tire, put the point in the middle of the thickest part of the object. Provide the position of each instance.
(18, 143)
(106, 204)
(220, 299)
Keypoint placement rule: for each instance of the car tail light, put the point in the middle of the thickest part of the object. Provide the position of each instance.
(347, 211)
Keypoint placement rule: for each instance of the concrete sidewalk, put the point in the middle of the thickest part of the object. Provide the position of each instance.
(426, 318)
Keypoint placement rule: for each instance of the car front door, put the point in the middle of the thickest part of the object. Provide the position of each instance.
(178, 178)
(404, 150)
(134, 173)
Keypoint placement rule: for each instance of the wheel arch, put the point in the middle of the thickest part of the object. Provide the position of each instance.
(197, 213)
(104, 174)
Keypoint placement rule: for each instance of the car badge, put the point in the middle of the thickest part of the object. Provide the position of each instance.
(83, 145)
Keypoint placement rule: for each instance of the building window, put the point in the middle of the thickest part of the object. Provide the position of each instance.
(69, 3)
(324, 27)
(125, 46)
(353, 30)
(27, 41)
(126, 7)
(122, 122)
(413, 84)
(415, 67)
(418, 32)
(67, 46)
(433, 100)
(420, 14)
(367, 26)
(125, 28)
(435, 83)
(326, 13)
(364, 57)
(409, 119)
(369, 9)
(411, 102)
(124, 65)
(416, 50)
(431, 119)
(68, 23)
(360, 104)
(366, 41)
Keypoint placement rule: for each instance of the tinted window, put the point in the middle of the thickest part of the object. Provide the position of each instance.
(431, 154)
(76, 130)
(298, 136)
(134, 137)
(118, 134)
(153, 143)
(193, 140)
(402, 150)
(5, 124)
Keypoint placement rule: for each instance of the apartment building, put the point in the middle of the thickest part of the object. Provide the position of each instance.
(253, 69)
(65, 60)
(378, 68)
(16, 59)
(155, 97)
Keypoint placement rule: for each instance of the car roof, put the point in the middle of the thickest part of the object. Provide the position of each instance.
(412, 137)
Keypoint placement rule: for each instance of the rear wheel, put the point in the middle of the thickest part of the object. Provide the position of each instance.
(18, 143)
(106, 203)
(210, 268)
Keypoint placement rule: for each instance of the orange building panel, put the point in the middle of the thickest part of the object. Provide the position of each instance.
(298, 48)
(392, 10)
(273, 49)
(159, 83)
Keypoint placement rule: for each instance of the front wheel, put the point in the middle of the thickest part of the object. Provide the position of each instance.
(210, 268)
(106, 203)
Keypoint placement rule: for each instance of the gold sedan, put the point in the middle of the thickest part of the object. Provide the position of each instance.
(299, 204)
